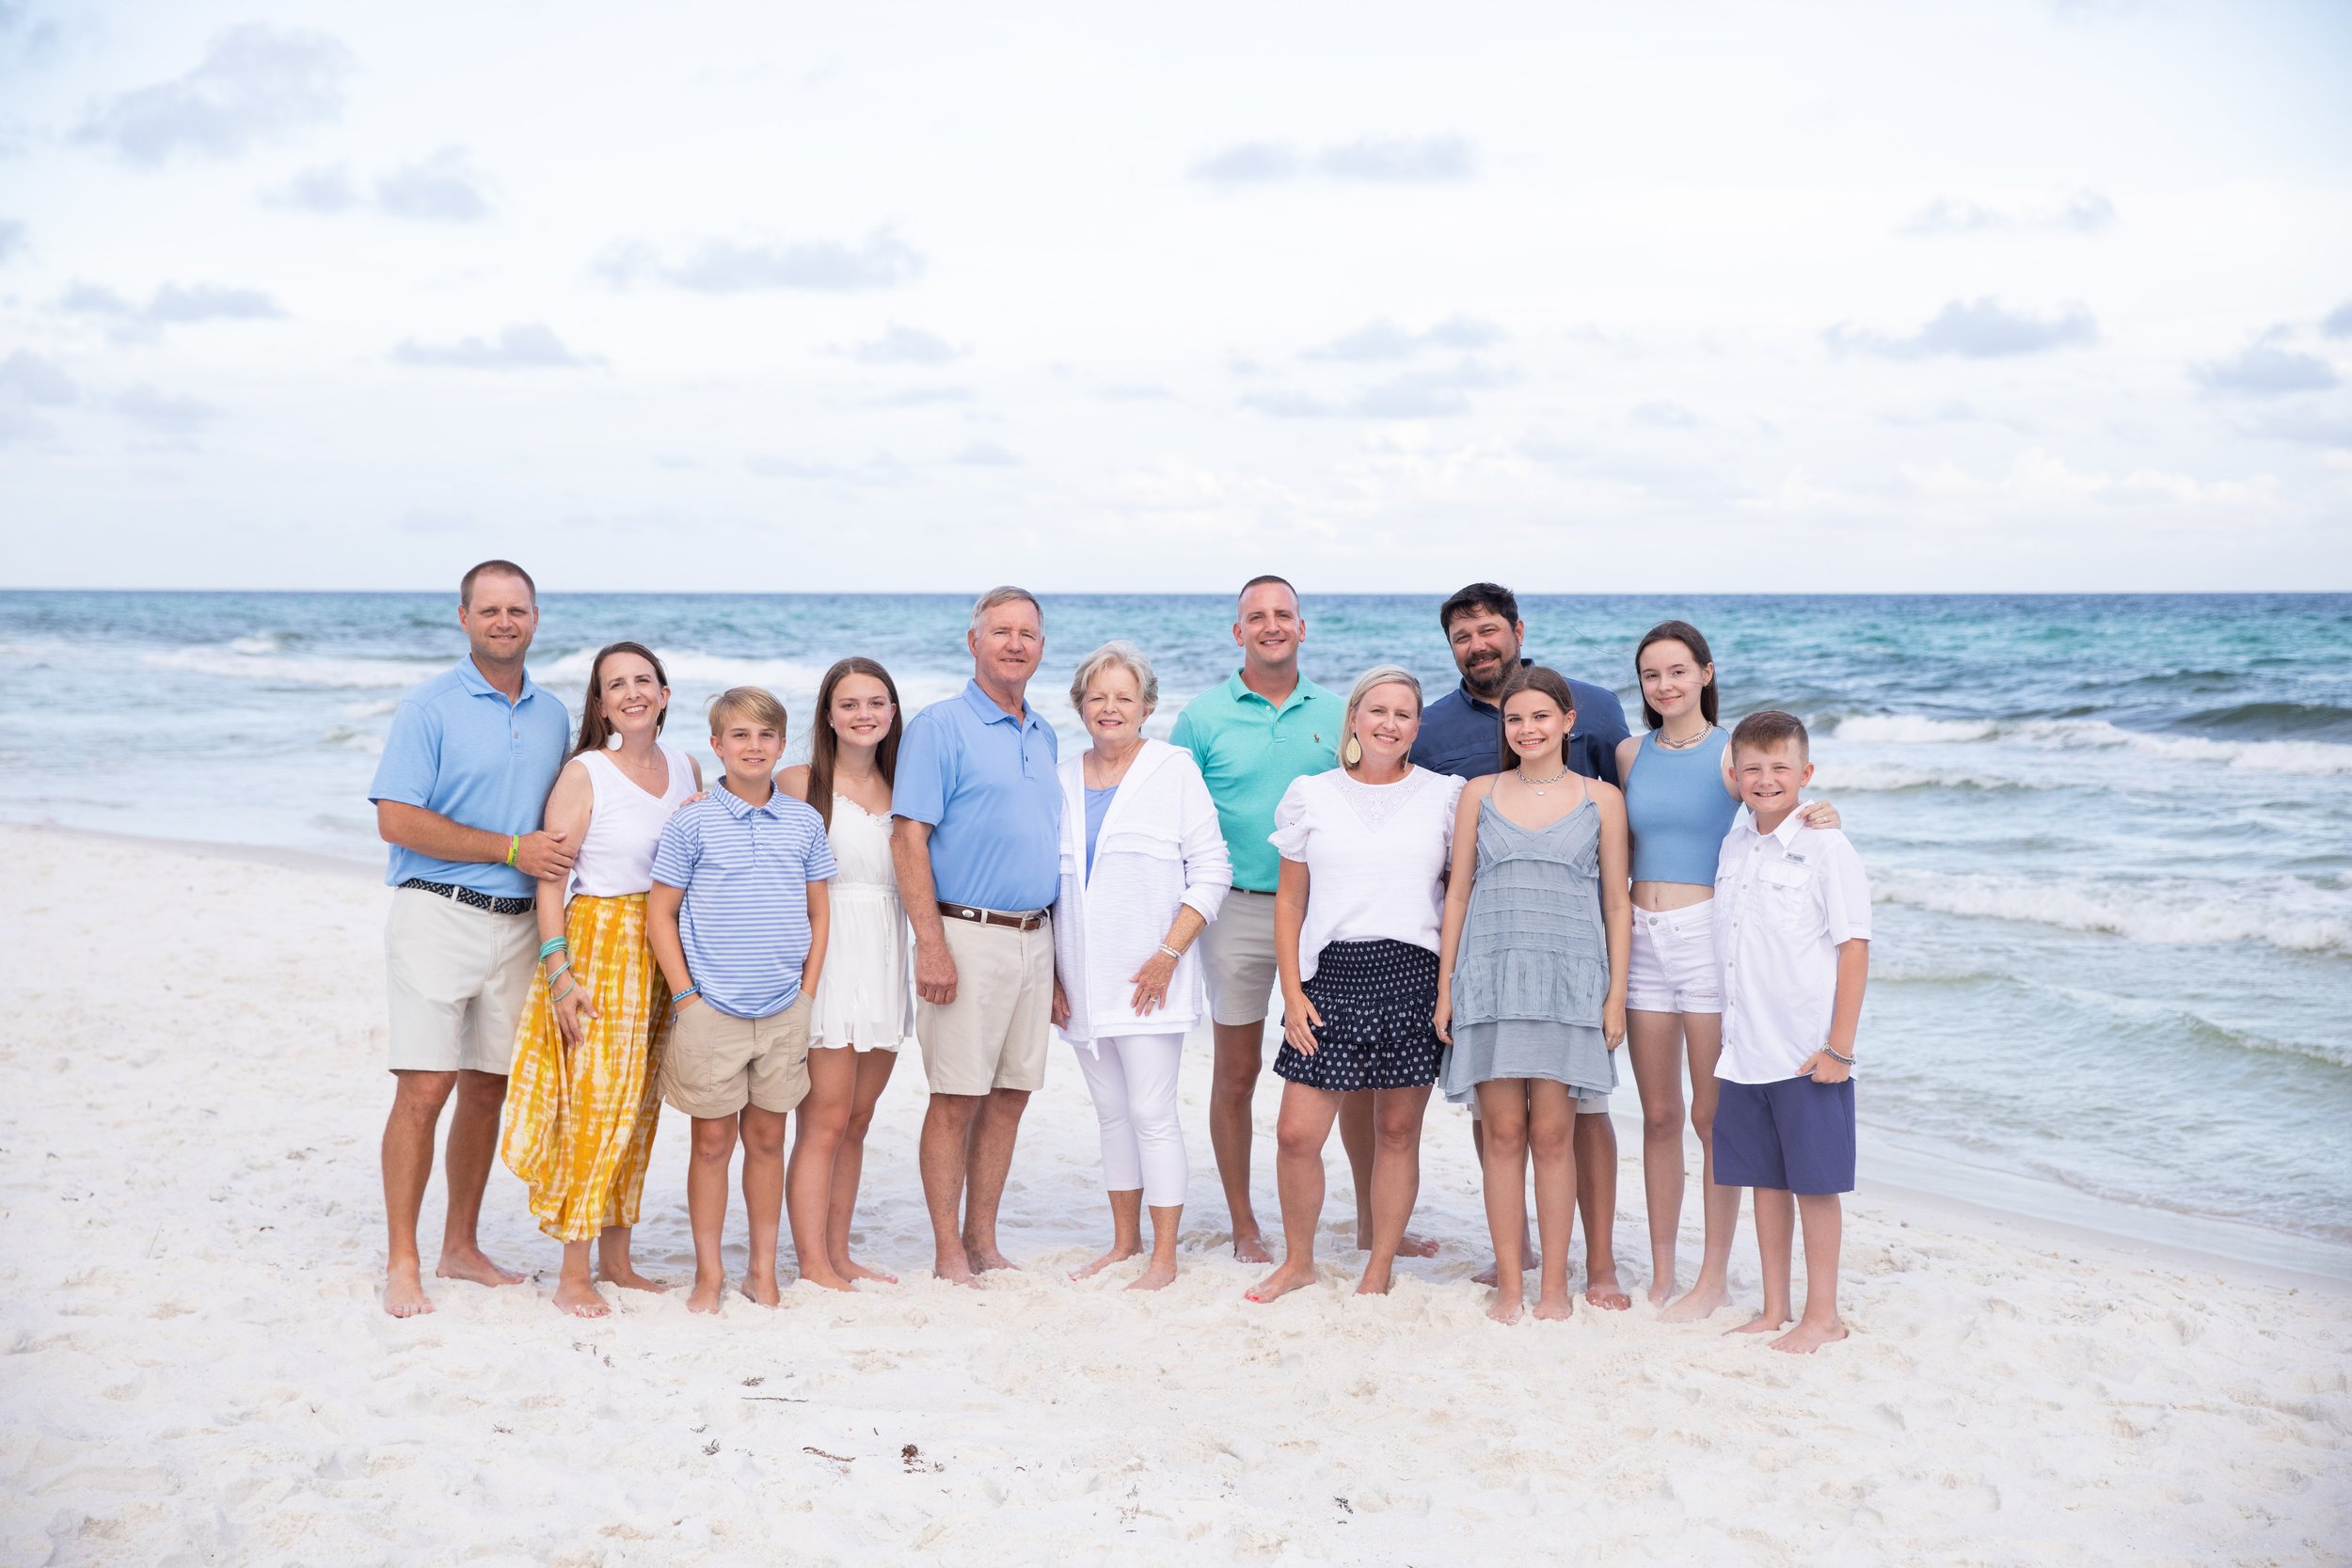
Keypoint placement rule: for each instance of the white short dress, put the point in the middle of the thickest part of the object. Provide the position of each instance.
(864, 996)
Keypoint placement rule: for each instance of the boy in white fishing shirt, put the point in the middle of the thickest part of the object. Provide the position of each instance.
(1792, 950)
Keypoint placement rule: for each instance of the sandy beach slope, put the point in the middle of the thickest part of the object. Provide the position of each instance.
(195, 1370)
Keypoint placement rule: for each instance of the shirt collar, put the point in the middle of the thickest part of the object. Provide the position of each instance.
(1790, 826)
(469, 675)
(738, 808)
(1239, 692)
(1480, 702)
(985, 707)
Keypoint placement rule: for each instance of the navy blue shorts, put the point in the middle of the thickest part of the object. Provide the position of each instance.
(1795, 1135)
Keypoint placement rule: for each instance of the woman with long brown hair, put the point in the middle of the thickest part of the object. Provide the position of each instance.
(864, 1011)
(580, 1100)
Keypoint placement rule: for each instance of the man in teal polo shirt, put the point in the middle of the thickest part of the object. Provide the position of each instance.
(458, 796)
(1265, 726)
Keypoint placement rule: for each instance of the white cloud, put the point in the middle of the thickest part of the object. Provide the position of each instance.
(906, 345)
(1379, 160)
(524, 346)
(1974, 329)
(1382, 339)
(443, 188)
(15, 239)
(256, 83)
(880, 261)
(2264, 368)
(2086, 212)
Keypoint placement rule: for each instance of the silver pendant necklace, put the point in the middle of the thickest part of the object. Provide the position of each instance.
(1684, 745)
(1539, 786)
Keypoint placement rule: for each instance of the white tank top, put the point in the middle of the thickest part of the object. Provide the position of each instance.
(625, 826)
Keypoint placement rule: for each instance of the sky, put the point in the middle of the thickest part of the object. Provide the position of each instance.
(1992, 297)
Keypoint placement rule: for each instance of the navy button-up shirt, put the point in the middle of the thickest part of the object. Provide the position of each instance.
(1463, 736)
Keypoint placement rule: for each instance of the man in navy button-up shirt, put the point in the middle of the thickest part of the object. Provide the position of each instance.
(1461, 733)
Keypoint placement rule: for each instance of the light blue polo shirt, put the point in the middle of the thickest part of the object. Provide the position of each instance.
(461, 750)
(1249, 750)
(985, 783)
(746, 870)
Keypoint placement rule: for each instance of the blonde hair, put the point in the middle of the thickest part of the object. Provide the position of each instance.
(1379, 674)
(754, 702)
(1125, 655)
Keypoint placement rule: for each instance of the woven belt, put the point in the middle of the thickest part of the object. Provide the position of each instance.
(1027, 919)
(471, 899)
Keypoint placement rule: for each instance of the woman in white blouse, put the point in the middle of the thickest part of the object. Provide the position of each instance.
(1356, 924)
(1143, 871)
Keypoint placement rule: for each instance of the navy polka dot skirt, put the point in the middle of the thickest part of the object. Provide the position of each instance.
(1375, 999)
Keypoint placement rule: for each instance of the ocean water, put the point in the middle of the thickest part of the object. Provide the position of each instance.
(2110, 836)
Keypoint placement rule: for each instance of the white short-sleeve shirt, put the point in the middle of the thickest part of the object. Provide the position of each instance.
(1784, 901)
(1375, 856)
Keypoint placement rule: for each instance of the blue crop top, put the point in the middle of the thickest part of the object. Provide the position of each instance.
(1678, 810)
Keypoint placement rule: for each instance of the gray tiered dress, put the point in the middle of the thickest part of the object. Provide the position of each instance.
(1532, 969)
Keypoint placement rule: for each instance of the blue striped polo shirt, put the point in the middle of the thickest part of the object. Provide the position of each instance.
(745, 871)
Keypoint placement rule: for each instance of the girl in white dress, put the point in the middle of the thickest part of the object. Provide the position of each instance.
(864, 1009)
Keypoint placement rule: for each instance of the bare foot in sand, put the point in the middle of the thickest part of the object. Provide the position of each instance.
(1508, 1305)
(1661, 1291)
(1697, 1303)
(704, 1295)
(1411, 1247)
(826, 1282)
(985, 1258)
(1281, 1282)
(955, 1268)
(1116, 1255)
(1155, 1276)
(628, 1278)
(1605, 1292)
(1555, 1305)
(403, 1294)
(1806, 1338)
(579, 1298)
(1250, 1249)
(850, 1268)
(1489, 1275)
(764, 1290)
(471, 1264)
(1376, 1282)
(1759, 1324)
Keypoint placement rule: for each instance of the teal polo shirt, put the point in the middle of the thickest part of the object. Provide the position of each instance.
(1249, 750)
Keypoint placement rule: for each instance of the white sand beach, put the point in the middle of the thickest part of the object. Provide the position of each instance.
(197, 1372)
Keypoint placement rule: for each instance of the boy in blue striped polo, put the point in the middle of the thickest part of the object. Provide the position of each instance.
(737, 919)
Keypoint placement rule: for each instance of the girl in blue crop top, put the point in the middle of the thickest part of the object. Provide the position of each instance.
(1679, 803)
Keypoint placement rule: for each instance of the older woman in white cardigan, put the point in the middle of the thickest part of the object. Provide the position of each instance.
(1143, 871)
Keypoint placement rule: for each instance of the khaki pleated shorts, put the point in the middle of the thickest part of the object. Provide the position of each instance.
(715, 1063)
(995, 1034)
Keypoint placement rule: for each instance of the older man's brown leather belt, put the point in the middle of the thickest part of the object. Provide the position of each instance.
(1025, 920)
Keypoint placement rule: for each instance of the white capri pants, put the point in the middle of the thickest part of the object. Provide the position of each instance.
(1133, 1080)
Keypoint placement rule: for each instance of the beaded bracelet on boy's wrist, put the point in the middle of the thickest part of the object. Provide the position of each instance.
(1836, 1056)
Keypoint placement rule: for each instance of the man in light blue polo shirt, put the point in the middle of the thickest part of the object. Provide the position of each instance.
(1265, 726)
(977, 841)
(458, 796)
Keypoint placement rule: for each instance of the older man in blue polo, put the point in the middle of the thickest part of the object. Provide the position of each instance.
(458, 796)
(977, 841)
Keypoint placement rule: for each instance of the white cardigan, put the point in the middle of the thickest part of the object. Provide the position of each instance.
(1160, 848)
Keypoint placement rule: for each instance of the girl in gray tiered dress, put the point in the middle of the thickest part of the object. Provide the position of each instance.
(1531, 1001)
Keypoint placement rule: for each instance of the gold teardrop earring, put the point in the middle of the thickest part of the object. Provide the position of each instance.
(1353, 752)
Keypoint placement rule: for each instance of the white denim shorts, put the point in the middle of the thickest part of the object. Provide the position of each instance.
(1671, 969)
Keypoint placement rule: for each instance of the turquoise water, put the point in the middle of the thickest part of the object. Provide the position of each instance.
(2110, 836)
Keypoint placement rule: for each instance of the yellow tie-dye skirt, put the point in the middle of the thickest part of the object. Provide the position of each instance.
(580, 1123)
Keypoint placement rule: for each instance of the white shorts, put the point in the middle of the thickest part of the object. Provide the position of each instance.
(1671, 969)
(459, 978)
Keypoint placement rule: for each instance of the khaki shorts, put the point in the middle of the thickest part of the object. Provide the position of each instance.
(716, 1063)
(458, 979)
(1237, 956)
(995, 1034)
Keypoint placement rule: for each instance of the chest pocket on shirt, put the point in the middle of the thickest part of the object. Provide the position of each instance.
(1786, 892)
